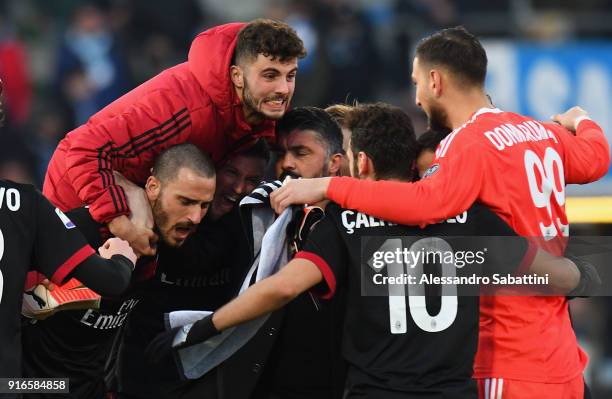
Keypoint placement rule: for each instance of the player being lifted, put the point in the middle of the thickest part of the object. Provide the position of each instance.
(517, 167)
(391, 354)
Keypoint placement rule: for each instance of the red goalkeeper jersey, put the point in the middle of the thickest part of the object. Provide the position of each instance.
(518, 167)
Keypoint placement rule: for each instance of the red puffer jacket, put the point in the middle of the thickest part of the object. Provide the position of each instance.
(191, 102)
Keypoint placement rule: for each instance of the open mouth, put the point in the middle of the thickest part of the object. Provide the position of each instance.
(276, 104)
(183, 232)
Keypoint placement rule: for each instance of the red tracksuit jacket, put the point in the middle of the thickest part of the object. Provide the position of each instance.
(191, 102)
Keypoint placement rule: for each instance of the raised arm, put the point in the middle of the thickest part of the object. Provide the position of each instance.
(442, 195)
(587, 154)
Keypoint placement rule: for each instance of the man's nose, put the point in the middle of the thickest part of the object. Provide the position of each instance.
(239, 187)
(196, 213)
(282, 87)
(288, 162)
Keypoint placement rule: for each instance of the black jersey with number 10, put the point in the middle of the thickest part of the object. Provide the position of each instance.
(398, 343)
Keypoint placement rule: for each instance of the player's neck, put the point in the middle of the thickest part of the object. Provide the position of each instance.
(464, 107)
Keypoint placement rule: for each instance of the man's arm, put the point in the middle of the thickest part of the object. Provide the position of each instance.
(587, 154)
(264, 297)
(138, 228)
(450, 190)
(129, 139)
(272, 293)
(507, 252)
(108, 274)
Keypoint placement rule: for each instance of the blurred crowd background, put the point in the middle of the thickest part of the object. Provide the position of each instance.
(63, 60)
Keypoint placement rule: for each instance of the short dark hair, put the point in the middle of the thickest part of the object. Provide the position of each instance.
(184, 155)
(260, 149)
(386, 134)
(271, 38)
(429, 139)
(457, 50)
(317, 120)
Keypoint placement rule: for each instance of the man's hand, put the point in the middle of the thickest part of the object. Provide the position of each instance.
(138, 202)
(571, 118)
(142, 239)
(117, 246)
(299, 191)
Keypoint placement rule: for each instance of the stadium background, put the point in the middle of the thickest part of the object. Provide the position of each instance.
(63, 60)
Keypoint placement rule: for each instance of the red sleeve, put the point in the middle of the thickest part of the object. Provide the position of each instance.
(326, 271)
(449, 190)
(586, 155)
(127, 141)
(68, 266)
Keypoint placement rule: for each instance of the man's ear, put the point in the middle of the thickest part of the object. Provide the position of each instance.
(153, 188)
(435, 82)
(237, 76)
(334, 164)
(364, 165)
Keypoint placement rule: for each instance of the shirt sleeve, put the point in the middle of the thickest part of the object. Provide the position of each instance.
(58, 245)
(324, 248)
(586, 155)
(153, 123)
(452, 187)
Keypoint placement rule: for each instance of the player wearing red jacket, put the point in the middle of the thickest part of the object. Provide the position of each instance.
(516, 166)
(238, 79)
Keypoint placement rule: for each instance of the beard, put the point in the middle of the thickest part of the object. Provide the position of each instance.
(251, 102)
(162, 227)
(438, 119)
(160, 217)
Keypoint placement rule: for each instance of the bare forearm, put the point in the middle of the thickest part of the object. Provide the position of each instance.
(264, 297)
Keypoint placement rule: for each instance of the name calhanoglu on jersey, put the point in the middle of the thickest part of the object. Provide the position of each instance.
(352, 220)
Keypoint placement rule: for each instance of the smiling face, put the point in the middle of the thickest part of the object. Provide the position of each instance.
(265, 86)
(179, 204)
(235, 179)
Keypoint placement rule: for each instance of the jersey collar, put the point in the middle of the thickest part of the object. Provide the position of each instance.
(485, 110)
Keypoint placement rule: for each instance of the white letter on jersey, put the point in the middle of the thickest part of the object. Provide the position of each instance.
(13, 199)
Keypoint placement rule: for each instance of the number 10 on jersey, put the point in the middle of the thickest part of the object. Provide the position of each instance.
(416, 292)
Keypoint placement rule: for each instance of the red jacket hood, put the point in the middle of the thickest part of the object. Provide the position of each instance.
(209, 60)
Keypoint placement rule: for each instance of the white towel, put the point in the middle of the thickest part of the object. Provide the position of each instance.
(270, 250)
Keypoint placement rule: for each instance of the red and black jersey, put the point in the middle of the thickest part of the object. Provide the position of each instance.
(400, 345)
(33, 236)
(76, 344)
